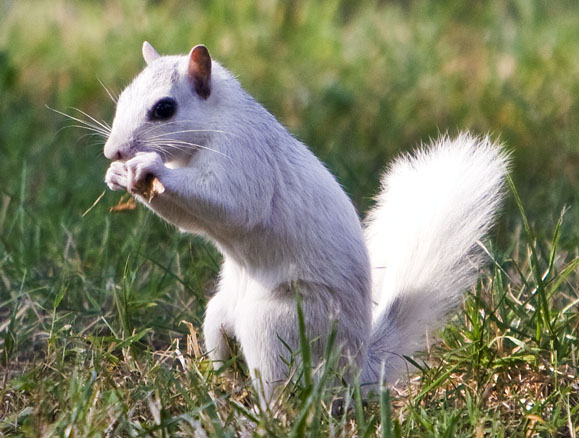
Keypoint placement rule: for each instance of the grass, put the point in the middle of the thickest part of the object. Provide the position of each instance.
(92, 338)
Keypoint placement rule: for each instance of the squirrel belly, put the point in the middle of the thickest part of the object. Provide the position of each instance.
(232, 173)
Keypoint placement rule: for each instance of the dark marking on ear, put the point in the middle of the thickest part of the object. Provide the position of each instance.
(200, 70)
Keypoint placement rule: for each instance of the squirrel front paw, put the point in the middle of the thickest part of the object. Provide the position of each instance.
(142, 168)
(117, 175)
(136, 173)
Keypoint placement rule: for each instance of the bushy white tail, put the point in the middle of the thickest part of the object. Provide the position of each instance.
(423, 240)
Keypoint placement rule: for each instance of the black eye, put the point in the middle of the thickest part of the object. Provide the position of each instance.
(163, 109)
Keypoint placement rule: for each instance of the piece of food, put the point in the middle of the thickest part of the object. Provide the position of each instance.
(148, 188)
(126, 203)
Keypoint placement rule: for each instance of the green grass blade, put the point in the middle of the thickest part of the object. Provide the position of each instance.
(544, 308)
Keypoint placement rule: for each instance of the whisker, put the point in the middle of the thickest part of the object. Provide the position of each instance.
(103, 125)
(170, 149)
(158, 148)
(78, 126)
(156, 126)
(199, 146)
(96, 142)
(90, 128)
(93, 134)
(86, 124)
(113, 97)
(174, 142)
(152, 129)
(180, 145)
(185, 131)
(176, 122)
(162, 146)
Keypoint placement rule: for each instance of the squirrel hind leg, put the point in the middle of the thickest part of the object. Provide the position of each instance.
(217, 326)
(268, 333)
(268, 330)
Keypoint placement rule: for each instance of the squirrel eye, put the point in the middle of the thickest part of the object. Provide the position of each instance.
(163, 109)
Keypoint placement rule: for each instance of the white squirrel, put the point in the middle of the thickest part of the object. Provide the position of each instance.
(233, 174)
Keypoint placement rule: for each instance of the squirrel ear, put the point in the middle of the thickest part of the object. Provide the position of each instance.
(149, 53)
(200, 70)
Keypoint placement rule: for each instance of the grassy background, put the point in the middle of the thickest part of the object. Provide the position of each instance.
(91, 307)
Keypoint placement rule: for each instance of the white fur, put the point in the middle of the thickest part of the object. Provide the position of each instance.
(149, 53)
(285, 226)
(423, 240)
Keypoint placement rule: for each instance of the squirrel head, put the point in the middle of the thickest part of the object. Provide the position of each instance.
(166, 108)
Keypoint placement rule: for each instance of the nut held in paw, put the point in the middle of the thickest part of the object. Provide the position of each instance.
(148, 188)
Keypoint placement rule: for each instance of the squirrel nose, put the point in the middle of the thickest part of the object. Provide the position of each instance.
(113, 152)
(110, 152)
